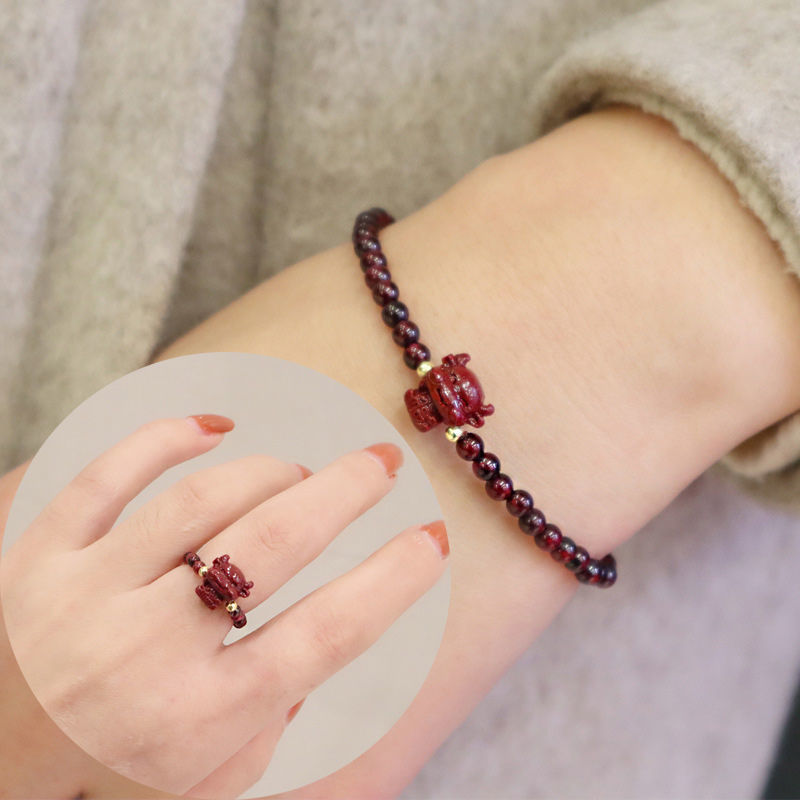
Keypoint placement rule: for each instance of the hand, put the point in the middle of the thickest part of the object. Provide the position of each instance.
(117, 647)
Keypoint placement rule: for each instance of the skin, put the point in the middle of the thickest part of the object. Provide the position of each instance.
(624, 312)
(119, 696)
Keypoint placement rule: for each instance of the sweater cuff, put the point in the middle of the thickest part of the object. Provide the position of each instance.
(724, 74)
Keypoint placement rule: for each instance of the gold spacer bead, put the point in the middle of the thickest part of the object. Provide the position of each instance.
(231, 607)
(423, 368)
(453, 434)
(203, 571)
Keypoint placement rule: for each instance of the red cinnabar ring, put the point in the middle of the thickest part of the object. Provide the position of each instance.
(452, 395)
(222, 583)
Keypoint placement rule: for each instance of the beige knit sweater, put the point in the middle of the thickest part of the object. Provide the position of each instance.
(160, 157)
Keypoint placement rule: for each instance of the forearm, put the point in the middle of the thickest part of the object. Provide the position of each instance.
(624, 314)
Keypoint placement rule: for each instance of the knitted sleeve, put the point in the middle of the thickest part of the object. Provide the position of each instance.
(726, 73)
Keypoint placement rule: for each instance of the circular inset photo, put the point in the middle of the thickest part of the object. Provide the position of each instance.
(225, 574)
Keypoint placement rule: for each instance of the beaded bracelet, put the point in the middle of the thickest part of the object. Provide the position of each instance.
(452, 394)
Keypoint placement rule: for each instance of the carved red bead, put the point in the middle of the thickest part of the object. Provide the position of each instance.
(450, 394)
(222, 584)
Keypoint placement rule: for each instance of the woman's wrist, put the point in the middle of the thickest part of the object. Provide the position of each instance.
(607, 267)
(623, 312)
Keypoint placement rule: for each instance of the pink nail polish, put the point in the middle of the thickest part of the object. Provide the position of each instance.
(212, 423)
(390, 455)
(438, 532)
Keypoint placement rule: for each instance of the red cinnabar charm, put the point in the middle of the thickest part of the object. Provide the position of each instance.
(449, 393)
(222, 583)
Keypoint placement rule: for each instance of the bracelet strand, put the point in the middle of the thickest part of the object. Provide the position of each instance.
(451, 394)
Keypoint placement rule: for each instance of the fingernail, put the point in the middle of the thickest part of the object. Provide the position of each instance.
(305, 470)
(212, 423)
(438, 533)
(390, 455)
(292, 712)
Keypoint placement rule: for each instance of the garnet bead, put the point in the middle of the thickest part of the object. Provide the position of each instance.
(415, 354)
(578, 560)
(366, 243)
(368, 217)
(565, 550)
(382, 217)
(532, 522)
(364, 229)
(385, 291)
(374, 275)
(405, 333)
(499, 487)
(590, 572)
(487, 466)
(609, 567)
(519, 502)
(469, 446)
(393, 312)
(373, 260)
(549, 538)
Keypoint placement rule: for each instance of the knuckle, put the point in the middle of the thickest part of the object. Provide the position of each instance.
(332, 635)
(190, 497)
(277, 538)
(96, 486)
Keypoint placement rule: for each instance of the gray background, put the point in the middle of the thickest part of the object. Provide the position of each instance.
(296, 414)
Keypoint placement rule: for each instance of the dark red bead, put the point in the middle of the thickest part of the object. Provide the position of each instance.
(364, 229)
(532, 522)
(367, 217)
(366, 243)
(565, 550)
(405, 333)
(487, 466)
(238, 617)
(499, 487)
(609, 567)
(590, 572)
(382, 217)
(469, 446)
(373, 260)
(519, 502)
(375, 275)
(548, 538)
(580, 557)
(415, 354)
(385, 291)
(393, 312)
